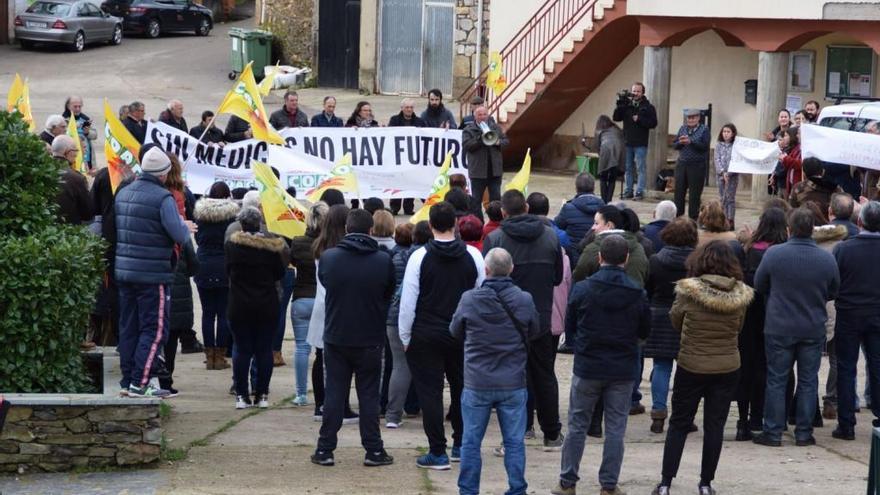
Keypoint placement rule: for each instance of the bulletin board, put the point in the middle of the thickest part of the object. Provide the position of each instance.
(849, 71)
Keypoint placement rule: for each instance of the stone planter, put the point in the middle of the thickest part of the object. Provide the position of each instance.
(58, 432)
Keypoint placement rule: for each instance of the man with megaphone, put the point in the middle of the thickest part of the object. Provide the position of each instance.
(482, 140)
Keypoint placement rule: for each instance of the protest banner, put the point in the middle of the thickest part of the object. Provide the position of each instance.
(390, 162)
(753, 156)
(839, 146)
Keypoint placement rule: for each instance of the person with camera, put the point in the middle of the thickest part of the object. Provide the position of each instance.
(638, 116)
(482, 140)
(692, 143)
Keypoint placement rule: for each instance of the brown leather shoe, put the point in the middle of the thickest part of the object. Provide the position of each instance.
(209, 358)
(829, 412)
(658, 419)
(277, 359)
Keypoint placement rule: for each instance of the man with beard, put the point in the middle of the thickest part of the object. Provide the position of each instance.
(437, 115)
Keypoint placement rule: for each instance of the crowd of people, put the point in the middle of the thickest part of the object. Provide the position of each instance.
(483, 296)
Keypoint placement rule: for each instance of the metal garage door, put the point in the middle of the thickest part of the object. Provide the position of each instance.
(416, 46)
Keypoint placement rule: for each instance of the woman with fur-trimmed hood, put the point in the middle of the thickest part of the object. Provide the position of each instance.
(213, 214)
(255, 263)
(709, 309)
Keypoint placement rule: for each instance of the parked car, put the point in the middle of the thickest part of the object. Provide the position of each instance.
(70, 22)
(153, 17)
(850, 116)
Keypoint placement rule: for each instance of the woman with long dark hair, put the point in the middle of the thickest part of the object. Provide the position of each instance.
(776, 182)
(772, 230)
(790, 144)
(362, 116)
(612, 155)
(332, 231)
(727, 181)
(709, 309)
(213, 214)
(303, 260)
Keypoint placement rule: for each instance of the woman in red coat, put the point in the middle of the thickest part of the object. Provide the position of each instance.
(790, 145)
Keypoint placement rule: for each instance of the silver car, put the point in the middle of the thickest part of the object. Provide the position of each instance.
(69, 22)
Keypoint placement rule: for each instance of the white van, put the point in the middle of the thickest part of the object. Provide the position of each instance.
(850, 116)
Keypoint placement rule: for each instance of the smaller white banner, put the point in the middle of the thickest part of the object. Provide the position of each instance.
(753, 156)
(838, 146)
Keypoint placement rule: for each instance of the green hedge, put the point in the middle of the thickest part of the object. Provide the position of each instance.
(49, 273)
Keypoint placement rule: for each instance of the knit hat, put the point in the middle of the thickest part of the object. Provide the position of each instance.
(155, 162)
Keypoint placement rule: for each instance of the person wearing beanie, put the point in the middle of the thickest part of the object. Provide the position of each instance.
(148, 225)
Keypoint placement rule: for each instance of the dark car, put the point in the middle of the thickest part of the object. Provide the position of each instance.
(67, 22)
(153, 17)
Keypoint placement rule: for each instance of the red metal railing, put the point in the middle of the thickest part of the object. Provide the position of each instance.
(529, 49)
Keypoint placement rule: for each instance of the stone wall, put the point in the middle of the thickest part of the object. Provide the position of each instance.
(293, 24)
(62, 437)
(466, 43)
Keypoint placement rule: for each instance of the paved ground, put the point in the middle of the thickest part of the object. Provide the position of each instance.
(234, 452)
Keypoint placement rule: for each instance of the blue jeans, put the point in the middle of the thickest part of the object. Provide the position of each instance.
(585, 394)
(640, 370)
(635, 160)
(287, 290)
(510, 406)
(660, 377)
(850, 331)
(214, 301)
(782, 353)
(300, 314)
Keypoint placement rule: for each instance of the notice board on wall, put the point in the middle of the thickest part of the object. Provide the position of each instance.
(849, 71)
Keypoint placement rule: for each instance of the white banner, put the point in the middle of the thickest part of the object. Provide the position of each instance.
(388, 161)
(753, 156)
(838, 146)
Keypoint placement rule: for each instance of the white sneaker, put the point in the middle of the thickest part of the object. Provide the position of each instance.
(263, 402)
(242, 402)
(393, 425)
(300, 400)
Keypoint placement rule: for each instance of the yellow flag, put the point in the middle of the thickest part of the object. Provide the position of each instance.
(19, 100)
(520, 181)
(120, 148)
(244, 101)
(341, 177)
(438, 191)
(71, 131)
(283, 214)
(495, 79)
(266, 83)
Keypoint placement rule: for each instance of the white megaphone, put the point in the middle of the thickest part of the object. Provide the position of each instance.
(490, 137)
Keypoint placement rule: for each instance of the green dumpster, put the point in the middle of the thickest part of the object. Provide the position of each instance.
(249, 45)
(587, 163)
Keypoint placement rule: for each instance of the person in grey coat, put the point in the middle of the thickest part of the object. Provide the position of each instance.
(612, 155)
(290, 114)
(496, 322)
(485, 163)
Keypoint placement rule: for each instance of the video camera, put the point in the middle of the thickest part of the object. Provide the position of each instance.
(624, 98)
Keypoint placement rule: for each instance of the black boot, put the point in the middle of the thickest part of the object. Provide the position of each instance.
(743, 433)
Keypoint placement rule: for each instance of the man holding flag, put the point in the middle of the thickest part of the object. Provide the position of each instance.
(244, 102)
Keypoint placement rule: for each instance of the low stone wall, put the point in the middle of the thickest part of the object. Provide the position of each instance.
(62, 437)
(57, 432)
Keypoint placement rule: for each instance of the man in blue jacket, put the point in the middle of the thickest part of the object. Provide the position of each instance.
(359, 280)
(496, 321)
(147, 227)
(692, 143)
(607, 316)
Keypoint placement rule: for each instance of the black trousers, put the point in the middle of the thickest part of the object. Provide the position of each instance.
(607, 182)
(541, 375)
(428, 363)
(166, 380)
(409, 205)
(716, 391)
(493, 184)
(318, 377)
(341, 362)
(689, 178)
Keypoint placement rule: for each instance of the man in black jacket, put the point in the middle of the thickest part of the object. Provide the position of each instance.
(73, 199)
(237, 129)
(359, 280)
(213, 134)
(537, 262)
(135, 122)
(406, 118)
(485, 163)
(639, 117)
(435, 278)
